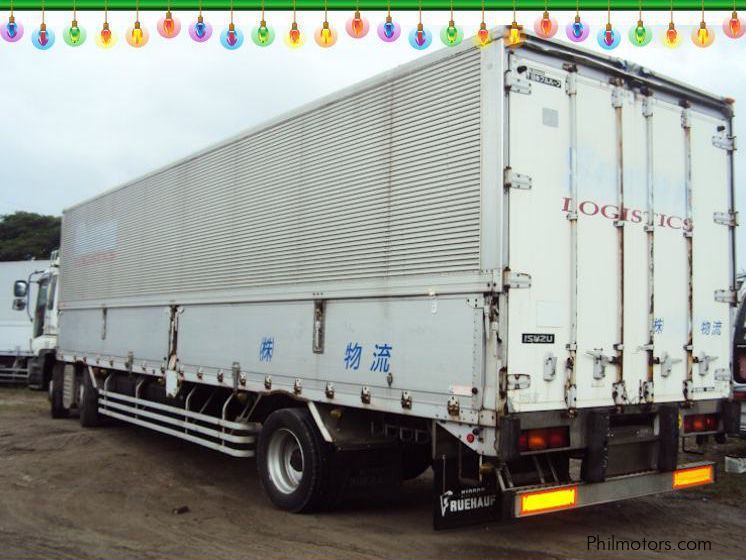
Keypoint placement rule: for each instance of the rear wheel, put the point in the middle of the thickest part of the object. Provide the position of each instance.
(56, 388)
(89, 416)
(294, 462)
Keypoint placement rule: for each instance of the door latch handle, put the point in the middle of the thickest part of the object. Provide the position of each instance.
(600, 361)
(703, 361)
(666, 362)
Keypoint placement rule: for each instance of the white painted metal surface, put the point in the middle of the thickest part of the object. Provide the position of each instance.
(15, 326)
(615, 167)
(406, 223)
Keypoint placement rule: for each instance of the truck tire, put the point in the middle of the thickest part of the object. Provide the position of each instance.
(88, 405)
(294, 462)
(56, 386)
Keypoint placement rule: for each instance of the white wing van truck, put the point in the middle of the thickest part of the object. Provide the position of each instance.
(17, 325)
(515, 266)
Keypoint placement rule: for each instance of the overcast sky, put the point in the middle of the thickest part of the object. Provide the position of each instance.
(78, 121)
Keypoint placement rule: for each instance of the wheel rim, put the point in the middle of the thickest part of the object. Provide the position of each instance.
(285, 461)
(51, 389)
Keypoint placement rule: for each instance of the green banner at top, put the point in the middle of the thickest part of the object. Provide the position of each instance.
(372, 5)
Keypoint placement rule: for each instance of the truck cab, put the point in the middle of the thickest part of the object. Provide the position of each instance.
(44, 313)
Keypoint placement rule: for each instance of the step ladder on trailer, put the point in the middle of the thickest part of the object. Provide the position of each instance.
(236, 438)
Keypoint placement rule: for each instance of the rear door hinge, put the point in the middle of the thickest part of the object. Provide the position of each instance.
(515, 381)
(726, 296)
(514, 80)
(686, 118)
(513, 180)
(516, 279)
(571, 396)
(619, 393)
(729, 219)
(647, 107)
(647, 392)
(724, 141)
(617, 97)
(687, 390)
(571, 83)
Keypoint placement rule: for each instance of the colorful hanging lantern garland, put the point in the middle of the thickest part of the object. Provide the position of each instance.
(43, 38)
(106, 38)
(13, 30)
(577, 31)
(74, 35)
(262, 35)
(482, 38)
(357, 26)
(734, 27)
(703, 36)
(420, 38)
(168, 26)
(608, 37)
(231, 37)
(325, 36)
(546, 26)
(514, 36)
(200, 31)
(671, 38)
(137, 36)
(451, 34)
(388, 30)
(294, 38)
(640, 35)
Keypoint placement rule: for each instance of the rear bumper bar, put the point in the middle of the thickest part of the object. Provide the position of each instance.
(526, 502)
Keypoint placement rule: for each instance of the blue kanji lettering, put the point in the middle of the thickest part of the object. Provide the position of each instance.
(704, 328)
(658, 325)
(717, 327)
(267, 349)
(353, 352)
(381, 357)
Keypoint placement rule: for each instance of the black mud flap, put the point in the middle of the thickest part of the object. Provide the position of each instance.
(456, 504)
(593, 468)
(668, 438)
(732, 417)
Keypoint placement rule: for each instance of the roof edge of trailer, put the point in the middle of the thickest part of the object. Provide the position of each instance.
(399, 71)
(633, 74)
(621, 68)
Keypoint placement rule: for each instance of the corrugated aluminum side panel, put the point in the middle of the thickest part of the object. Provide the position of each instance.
(384, 182)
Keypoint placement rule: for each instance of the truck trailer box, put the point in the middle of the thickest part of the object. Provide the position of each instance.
(16, 325)
(499, 253)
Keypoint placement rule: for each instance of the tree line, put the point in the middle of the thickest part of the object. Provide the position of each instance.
(27, 235)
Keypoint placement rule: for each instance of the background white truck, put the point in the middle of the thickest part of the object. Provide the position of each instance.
(16, 325)
(513, 265)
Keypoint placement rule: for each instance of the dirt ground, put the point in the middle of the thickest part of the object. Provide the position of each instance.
(68, 492)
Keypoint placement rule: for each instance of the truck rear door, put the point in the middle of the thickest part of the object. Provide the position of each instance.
(604, 186)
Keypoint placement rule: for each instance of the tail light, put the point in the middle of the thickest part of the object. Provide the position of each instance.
(739, 395)
(739, 371)
(700, 423)
(545, 438)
